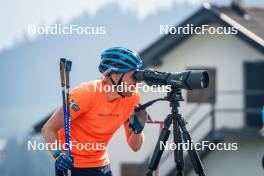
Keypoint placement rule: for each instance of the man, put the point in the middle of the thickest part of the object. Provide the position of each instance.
(96, 114)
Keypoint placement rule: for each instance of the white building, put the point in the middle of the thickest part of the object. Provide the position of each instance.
(236, 64)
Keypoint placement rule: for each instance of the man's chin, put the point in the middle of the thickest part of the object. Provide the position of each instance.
(128, 94)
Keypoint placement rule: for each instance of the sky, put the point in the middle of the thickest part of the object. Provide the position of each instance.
(16, 15)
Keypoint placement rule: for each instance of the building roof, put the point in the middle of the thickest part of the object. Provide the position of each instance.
(248, 21)
(255, 23)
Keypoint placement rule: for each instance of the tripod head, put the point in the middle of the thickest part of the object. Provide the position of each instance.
(173, 96)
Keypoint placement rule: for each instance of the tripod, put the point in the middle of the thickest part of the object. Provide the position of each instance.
(180, 133)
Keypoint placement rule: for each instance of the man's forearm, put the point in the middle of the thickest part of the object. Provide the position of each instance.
(135, 141)
(50, 136)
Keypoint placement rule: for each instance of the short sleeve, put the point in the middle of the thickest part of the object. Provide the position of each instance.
(80, 100)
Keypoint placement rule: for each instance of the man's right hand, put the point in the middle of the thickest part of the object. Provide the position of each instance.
(63, 162)
(137, 121)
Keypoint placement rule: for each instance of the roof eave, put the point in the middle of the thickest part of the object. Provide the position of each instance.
(205, 15)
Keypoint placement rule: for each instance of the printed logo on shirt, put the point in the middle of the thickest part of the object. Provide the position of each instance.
(74, 106)
(108, 114)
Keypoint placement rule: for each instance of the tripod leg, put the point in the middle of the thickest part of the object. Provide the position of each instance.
(163, 138)
(195, 159)
(178, 154)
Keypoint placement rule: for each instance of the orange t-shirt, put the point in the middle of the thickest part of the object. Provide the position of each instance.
(94, 121)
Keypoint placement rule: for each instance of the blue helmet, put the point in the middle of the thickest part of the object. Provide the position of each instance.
(119, 60)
